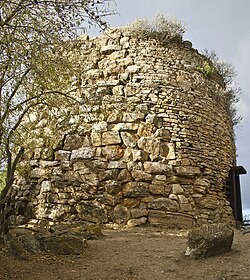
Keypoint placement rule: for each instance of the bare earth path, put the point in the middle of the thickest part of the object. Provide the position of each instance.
(141, 253)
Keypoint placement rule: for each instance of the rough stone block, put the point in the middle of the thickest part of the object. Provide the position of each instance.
(83, 153)
(209, 240)
(163, 203)
(111, 138)
(170, 219)
(136, 189)
(91, 212)
(139, 155)
(62, 155)
(140, 175)
(112, 152)
(138, 213)
(64, 245)
(187, 170)
(156, 168)
(133, 117)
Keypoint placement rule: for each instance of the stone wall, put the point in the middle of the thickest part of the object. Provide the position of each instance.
(155, 147)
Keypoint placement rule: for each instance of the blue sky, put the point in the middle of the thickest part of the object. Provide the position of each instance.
(220, 25)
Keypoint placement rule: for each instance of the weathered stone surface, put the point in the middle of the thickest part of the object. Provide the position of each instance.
(145, 133)
(96, 138)
(163, 203)
(154, 119)
(145, 129)
(209, 202)
(112, 152)
(137, 222)
(108, 49)
(126, 127)
(138, 213)
(111, 138)
(129, 139)
(91, 212)
(83, 153)
(156, 168)
(64, 245)
(171, 219)
(73, 142)
(136, 189)
(177, 189)
(140, 175)
(139, 155)
(149, 145)
(117, 165)
(120, 214)
(187, 170)
(209, 240)
(132, 117)
(39, 173)
(132, 69)
(45, 186)
(62, 155)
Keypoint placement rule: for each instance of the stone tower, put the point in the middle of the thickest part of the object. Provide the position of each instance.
(156, 146)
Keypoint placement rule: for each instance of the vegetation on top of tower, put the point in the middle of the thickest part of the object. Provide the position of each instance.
(160, 27)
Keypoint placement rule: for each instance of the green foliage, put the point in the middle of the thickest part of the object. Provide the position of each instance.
(35, 73)
(207, 69)
(160, 27)
(228, 73)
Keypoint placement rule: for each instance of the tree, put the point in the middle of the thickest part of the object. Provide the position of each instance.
(35, 73)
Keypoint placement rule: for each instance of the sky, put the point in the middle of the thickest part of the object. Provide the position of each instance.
(220, 25)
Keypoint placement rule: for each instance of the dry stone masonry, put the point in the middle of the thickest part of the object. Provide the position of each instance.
(155, 143)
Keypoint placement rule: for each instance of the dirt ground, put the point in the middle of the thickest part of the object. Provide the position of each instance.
(139, 253)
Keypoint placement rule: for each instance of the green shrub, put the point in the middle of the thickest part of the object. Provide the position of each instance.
(228, 73)
(207, 69)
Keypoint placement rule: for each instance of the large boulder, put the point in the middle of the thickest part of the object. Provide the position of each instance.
(209, 240)
(64, 244)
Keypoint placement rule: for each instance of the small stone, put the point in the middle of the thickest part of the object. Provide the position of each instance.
(129, 139)
(132, 69)
(139, 155)
(145, 129)
(177, 189)
(108, 49)
(133, 117)
(117, 165)
(45, 186)
(126, 127)
(120, 214)
(137, 222)
(154, 119)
